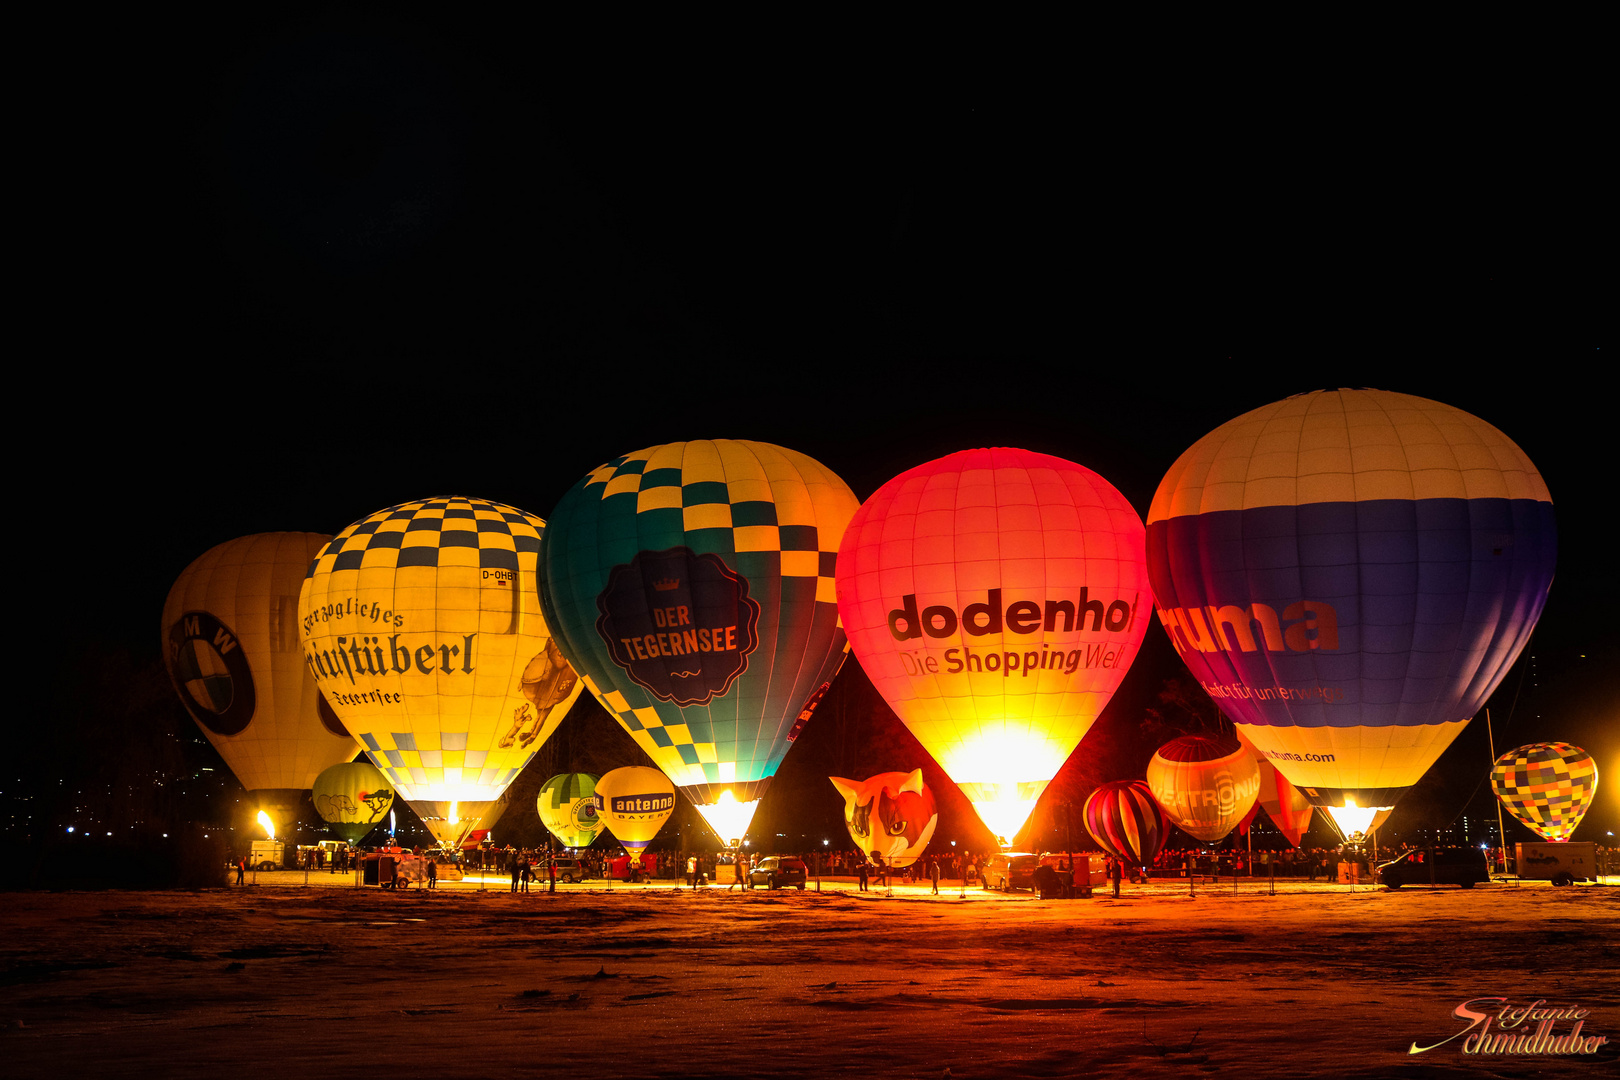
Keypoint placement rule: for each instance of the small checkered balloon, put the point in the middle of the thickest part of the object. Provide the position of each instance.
(421, 624)
(1548, 786)
(691, 585)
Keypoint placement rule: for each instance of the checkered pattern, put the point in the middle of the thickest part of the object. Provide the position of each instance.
(448, 734)
(725, 491)
(775, 517)
(1548, 786)
(435, 532)
(671, 746)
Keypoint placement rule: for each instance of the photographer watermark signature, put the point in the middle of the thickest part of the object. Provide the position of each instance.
(1497, 1026)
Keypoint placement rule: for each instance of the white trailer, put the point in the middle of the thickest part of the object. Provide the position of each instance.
(1561, 864)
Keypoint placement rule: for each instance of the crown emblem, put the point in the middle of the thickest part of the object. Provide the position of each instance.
(667, 584)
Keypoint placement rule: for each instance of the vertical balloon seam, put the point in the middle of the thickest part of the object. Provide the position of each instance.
(790, 717)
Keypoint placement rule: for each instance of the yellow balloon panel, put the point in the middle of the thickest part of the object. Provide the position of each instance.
(231, 644)
(422, 626)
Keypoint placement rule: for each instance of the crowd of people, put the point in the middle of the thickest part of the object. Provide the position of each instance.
(526, 866)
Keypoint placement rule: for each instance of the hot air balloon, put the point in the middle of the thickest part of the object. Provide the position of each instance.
(691, 585)
(634, 802)
(1126, 821)
(353, 798)
(422, 625)
(996, 598)
(1288, 809)
(230, 641)
(1548, 786)
(1349, 574)
(1205, 785)
(891, 813)
(567, 806)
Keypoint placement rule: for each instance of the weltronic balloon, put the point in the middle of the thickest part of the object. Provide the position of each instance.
(1548, 786)
(1349, 574)
(230, 641)
(891, 813)
(353, 798)
(1206, 785)
(691, 585)
(422, 626)
(634, 802)
(1126, 821)
(996, 598)
(567, 807)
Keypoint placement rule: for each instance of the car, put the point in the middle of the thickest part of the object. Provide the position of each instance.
(776, 872)
(569, 869)
(1435, 866)
(1010, 870)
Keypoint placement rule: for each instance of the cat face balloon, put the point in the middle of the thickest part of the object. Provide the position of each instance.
(892, 814)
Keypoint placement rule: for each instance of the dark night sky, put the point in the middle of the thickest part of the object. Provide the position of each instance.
(360, 262)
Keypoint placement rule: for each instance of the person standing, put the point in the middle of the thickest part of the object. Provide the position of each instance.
(933, 874)
(1116, 871)
(692, 870)
(864, 873)
(241, 870)
(432, 873)
(882, 868)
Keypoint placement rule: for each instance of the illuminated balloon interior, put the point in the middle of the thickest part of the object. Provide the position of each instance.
(996, 598)
(729, 818)
(1353, 822)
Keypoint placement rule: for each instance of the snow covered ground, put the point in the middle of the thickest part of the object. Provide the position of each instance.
(286, 981)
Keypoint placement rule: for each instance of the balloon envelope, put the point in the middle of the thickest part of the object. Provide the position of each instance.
(634, 802)
(567, 806)
(1548, 786)
(1206, 785)
(996, 598)
(1349, 574)
(353, 798)
(691, 584)
(892, 813)
(1126, 821)
(422, 625)
(230, 642)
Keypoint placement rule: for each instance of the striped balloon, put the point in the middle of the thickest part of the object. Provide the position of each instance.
(1548, 786)
(1350, 574)
(1126, 821)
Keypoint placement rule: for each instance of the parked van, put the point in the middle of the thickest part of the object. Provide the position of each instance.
(1008, 871)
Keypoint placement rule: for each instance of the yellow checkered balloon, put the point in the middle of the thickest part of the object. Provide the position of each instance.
(421, 624)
